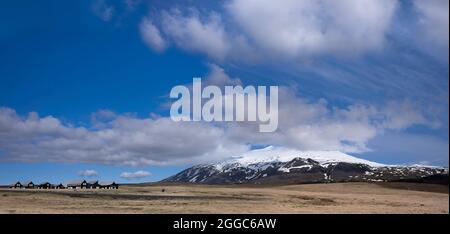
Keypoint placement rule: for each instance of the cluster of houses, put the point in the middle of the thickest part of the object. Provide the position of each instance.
(79, 184)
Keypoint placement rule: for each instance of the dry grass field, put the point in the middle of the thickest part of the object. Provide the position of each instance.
(308, 198)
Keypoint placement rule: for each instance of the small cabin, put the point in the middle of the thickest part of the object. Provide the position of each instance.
(59, 186)
(45, 185)
(16, 185)
(109, 185)
(79, 184)
(23, 184)
(114, 185)
(93, 184)
(28, 184)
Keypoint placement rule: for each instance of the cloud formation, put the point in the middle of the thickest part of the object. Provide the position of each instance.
(127, 140)
(433, 24)
(123, 139)
(296, 28)
(151, 35)
(88, 173)
(192, 33)
(264, 30)
(135, 175)
(103, 10)
(273, 29)
(315, 125)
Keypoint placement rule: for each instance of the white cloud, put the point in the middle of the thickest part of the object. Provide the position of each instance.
(433, 24)
(122, 139)
(314, 125)
(132, 4)
(264, 29)
(88, 173)
(135, 175)
(127, 140)
(296, 28)
(151, 35)
(218, 77)
(191, 32)
(103, 10)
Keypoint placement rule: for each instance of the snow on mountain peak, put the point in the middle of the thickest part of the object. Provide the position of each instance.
(294, 166)
(281, 154)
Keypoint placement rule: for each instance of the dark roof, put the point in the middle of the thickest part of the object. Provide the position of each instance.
(26, 182)
(75, 183)
(43, 183)
(15, 183)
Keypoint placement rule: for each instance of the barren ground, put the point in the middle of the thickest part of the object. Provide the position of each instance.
(308, 198)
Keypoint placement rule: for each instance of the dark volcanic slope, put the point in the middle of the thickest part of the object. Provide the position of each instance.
(306, 170)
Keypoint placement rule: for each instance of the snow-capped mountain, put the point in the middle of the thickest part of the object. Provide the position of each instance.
(280, 154)
(276, 164)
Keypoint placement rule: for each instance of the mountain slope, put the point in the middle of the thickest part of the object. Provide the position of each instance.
(281, 165)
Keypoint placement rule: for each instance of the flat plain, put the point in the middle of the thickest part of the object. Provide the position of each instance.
(190, 198)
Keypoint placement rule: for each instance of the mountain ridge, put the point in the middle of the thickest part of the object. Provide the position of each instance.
(282, 165)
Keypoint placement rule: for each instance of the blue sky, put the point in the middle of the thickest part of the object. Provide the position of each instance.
(95, 76)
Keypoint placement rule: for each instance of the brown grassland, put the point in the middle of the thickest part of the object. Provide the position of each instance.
(182, 198)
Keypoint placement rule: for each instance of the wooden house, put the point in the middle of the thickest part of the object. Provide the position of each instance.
(78, 184)
(93, 184)
(16, 185)
(114, 185)
(109, 185)
(46, 185)
(59, 186)
(28, 184)
(23, 184)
